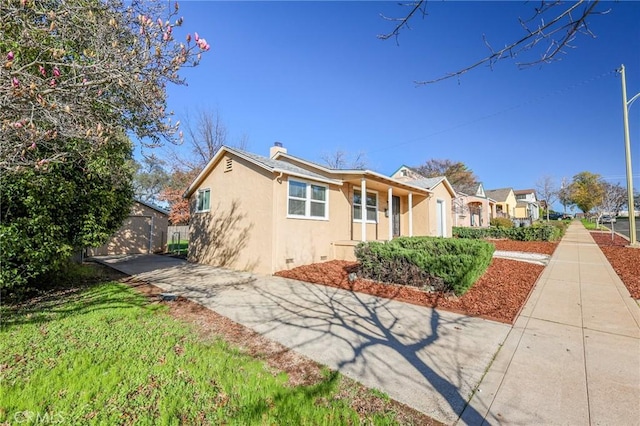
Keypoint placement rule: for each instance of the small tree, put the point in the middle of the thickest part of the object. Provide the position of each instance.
(546, 188)
(586, 191)
(564, 195)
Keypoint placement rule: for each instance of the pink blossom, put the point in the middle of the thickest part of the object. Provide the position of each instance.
(56, 72)
(17, 124)
(33, 146)
(42, 70)
(52, 83)
(160, 22)
(197, 37)
(165, 36)
(10, 56)
(202, 44)
(15, 82)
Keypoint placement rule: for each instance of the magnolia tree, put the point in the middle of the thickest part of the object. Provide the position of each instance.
(86, 70)
(77, 78)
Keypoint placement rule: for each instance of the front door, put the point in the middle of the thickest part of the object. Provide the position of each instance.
(396, 215)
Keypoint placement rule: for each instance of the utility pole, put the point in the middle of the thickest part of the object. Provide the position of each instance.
(626, 104)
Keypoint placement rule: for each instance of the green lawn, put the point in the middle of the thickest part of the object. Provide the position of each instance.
(104, 355)
(180, 247)
(591, 226)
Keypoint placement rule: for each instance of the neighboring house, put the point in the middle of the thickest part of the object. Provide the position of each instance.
(505, 202)
(527, 205)
(443, 194)
(143, 231)
(472, 206)
(267, 214)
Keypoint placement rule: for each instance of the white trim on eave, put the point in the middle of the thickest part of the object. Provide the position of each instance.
(212, 163)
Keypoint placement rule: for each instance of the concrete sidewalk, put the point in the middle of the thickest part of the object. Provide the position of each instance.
(573, 356)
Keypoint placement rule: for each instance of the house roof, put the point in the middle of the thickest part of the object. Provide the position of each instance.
(498, 194)
(269, 164)
(432, 182)
(355, 172)
(524, 191)
(151, 206)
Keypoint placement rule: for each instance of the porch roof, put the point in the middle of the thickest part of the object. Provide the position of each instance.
(381, 182)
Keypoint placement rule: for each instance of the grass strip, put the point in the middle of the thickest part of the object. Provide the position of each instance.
(104, 355)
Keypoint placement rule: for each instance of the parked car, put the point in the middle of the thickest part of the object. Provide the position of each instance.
(608, 219)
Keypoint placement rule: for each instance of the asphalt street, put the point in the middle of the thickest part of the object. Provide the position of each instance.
(622, 226)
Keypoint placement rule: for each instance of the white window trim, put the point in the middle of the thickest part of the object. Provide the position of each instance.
(365, 202)
(308, 200)
(200, 191)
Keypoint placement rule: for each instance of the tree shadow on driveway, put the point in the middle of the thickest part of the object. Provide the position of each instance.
(426, 359)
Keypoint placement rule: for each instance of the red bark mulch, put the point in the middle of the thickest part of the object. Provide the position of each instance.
(498, 295)
(624, 260)
(542, 247)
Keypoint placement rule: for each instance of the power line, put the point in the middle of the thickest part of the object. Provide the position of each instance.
(503, 111)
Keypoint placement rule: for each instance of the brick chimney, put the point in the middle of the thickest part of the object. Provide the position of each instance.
(276, 148)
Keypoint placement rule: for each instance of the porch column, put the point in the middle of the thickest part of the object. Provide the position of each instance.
(390, 202)
(363, 208)
(411, 214)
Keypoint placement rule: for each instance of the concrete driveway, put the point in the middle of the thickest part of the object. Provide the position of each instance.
(430, 360)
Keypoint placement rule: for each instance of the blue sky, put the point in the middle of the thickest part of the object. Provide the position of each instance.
(314, 76)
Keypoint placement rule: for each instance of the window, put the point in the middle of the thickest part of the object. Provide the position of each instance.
(204, 198)
(307, 200)
(371, 203)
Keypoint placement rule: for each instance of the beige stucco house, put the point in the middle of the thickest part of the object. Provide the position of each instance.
(472, 207)
(143, 231)
(442, 200)
(266, 214)
(505, 202)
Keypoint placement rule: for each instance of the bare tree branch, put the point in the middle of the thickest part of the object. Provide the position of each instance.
(558, 33)
(343, 160)
(404, 22)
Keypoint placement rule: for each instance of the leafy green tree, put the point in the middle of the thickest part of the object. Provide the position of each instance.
(586, 191)
(47, 215)
(150, 179)
(457, 173)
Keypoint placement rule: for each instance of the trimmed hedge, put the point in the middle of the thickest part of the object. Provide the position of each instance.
(550, 231)
(444, 264)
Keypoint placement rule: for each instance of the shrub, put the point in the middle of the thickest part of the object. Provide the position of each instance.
(501, 222)
(445, 264)
(540, 231)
